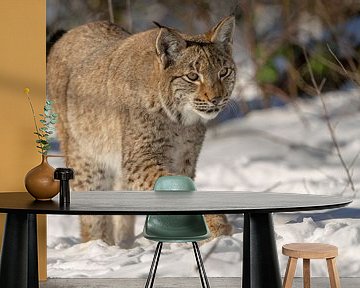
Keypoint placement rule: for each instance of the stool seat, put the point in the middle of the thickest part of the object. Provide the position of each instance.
(310, 250)
(306, 252)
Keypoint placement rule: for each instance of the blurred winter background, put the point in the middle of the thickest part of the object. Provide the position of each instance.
(293, 126)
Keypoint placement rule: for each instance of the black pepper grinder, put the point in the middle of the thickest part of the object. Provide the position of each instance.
(64, 175)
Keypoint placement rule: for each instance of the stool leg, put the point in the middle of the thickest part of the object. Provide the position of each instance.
(290, 272)
(333, 273)
(306, 273)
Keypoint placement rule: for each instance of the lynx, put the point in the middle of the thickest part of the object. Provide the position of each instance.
(133, 108)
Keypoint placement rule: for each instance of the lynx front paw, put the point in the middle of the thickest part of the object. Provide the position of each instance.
(113, 230)
(123, 230)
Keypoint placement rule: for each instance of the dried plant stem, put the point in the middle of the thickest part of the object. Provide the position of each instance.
(273, 186)
(55, 155)
(111, 11)
(337, 60)
(354, 77)
(328, 122)
(354, 160)
(129, 16)
(336, 144)
(33, 113)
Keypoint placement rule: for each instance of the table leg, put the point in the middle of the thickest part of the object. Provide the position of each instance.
(19, 262)
(33, 272)
(260, 259)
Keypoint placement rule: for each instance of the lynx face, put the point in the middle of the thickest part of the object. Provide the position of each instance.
(200, 72)
(206, 84)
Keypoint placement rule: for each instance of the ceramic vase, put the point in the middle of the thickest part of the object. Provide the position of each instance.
(40, 183)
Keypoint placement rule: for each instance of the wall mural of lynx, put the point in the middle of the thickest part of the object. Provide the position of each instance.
(134, 107)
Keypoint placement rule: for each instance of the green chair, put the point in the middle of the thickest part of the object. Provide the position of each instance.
(176, 228)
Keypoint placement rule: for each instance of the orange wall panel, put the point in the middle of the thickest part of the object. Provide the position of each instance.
(22, 64)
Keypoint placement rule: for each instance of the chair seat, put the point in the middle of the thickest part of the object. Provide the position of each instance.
(176, 228)
(310, 250)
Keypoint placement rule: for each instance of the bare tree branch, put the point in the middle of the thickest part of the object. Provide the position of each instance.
(328, 122)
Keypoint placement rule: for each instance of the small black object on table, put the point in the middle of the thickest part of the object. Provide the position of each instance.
(260, 264)
(64, 175)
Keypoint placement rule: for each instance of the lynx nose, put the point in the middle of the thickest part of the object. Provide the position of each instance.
(216, 100)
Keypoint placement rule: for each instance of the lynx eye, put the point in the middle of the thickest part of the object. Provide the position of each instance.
(192, 76)
(224, 72)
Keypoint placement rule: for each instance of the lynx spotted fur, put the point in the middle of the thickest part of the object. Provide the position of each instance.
(133, 108)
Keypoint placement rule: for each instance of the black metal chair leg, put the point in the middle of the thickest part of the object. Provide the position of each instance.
(156, 264)
(153, 268)
(199, 261)
(199, 267)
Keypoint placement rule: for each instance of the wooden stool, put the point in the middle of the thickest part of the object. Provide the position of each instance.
(308, 251)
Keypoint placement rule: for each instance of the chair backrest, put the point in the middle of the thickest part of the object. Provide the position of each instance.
(174, 183)
(161, 227)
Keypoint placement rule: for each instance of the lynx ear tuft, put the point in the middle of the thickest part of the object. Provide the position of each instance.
(223, 32)
(169, 44)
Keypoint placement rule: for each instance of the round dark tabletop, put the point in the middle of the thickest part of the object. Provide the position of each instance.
(149, 202)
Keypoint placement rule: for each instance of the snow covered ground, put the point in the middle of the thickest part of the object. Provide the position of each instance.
(278, 150)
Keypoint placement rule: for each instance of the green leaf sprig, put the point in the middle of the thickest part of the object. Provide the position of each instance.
(48, 121)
